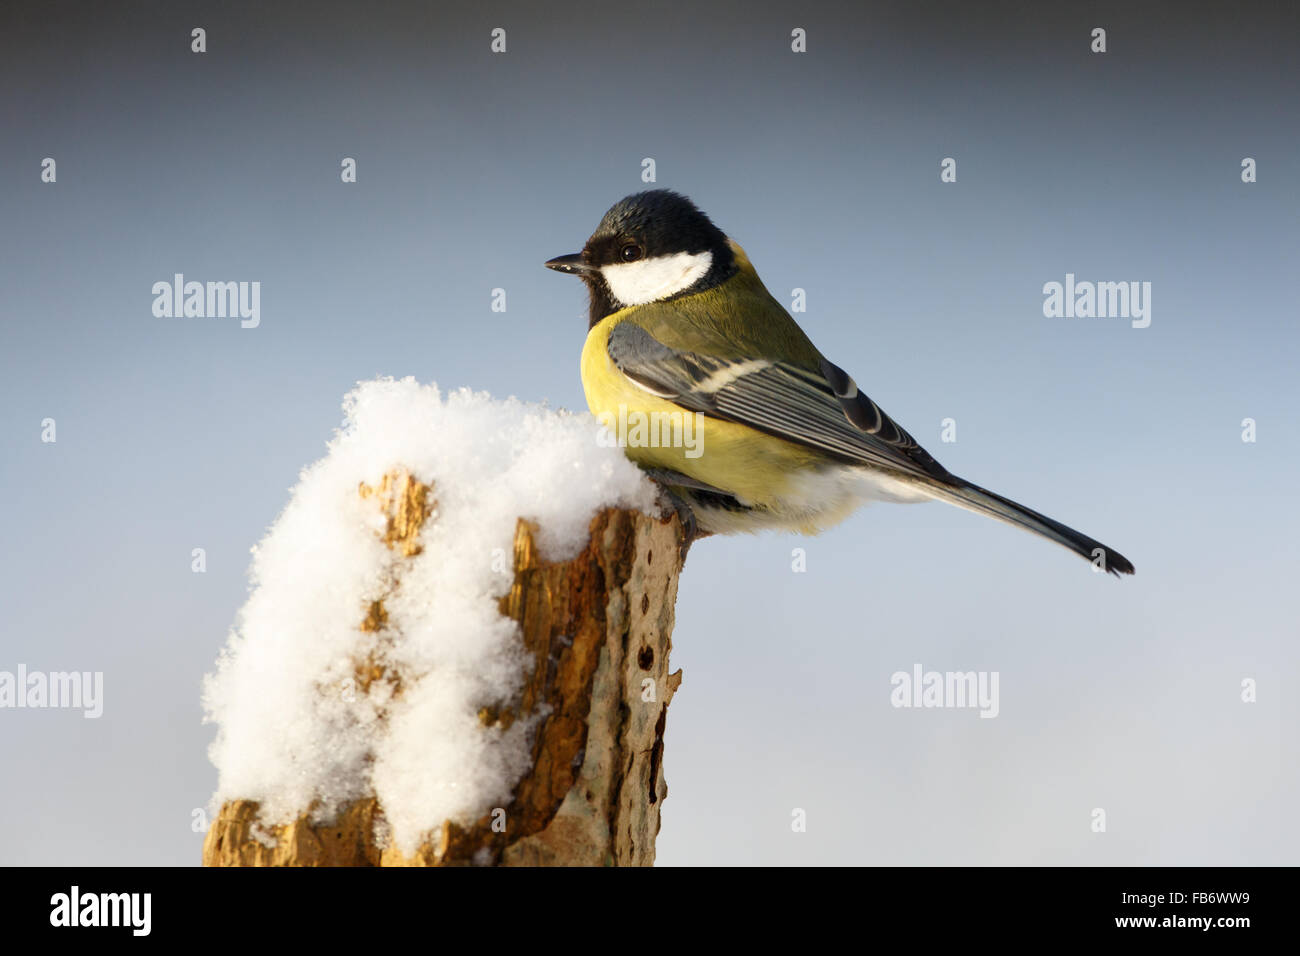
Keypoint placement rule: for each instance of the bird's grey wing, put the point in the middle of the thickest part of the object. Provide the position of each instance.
(822, 410)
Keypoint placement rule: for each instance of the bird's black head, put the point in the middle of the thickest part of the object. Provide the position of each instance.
(649, 247)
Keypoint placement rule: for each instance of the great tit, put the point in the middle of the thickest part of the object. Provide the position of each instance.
(681, 325)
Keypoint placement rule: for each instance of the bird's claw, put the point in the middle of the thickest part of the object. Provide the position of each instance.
(686, 515)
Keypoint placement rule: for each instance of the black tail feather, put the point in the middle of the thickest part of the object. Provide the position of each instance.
(963, 494)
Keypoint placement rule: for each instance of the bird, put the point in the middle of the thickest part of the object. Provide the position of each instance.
(680, 324)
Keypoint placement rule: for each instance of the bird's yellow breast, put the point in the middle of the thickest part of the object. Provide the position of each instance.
(756, 467)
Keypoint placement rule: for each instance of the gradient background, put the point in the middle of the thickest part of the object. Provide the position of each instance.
(473, 169)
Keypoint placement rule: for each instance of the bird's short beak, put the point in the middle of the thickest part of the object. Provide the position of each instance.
(571, 265)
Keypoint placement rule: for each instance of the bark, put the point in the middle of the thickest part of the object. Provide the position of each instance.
(598, 630)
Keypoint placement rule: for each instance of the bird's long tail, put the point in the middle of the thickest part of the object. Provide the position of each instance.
(963, 494)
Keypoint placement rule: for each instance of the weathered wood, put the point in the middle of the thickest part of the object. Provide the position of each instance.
(598, 629)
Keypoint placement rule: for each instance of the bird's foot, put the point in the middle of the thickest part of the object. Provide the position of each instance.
(686, 515)
(668, 480)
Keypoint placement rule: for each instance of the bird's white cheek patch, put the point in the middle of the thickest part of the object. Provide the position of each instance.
(636, 283)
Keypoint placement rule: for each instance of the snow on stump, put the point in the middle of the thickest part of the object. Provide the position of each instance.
(455, 651)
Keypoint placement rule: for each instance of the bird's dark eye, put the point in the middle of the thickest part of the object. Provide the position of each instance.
(631, 252)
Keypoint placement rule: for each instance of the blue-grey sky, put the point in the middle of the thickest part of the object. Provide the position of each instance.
(475, 167)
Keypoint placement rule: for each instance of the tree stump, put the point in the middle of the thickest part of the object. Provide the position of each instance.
(598, 631)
